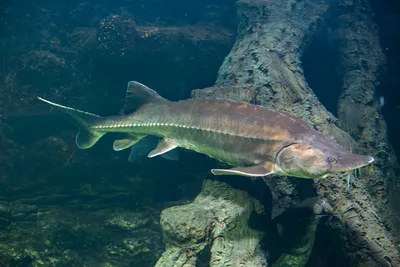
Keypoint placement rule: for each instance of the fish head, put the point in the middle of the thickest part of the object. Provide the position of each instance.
(309, 161)
(345, 161)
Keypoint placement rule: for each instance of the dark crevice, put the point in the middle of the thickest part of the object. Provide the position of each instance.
(204, 257)
(387, 16)
(320, 70)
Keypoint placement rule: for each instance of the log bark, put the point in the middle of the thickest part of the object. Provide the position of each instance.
(264, 67)
(214, 224)
(360, 61)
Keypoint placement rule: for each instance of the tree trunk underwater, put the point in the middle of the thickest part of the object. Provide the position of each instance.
(264, 67)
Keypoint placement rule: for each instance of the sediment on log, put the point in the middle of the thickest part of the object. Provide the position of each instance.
(264, 68)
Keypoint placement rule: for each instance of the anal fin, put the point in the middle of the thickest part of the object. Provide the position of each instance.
(163, 146)
(126, 142)
(263, 169)
(146, 144)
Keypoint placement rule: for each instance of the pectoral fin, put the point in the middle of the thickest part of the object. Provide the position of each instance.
(263, 169)
(163, 147)
(127, 142)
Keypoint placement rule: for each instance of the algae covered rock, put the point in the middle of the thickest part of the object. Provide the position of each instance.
(60, 237)
(212, 229)
(130, 221)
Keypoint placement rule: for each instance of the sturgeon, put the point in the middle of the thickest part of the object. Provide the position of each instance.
(254, 140)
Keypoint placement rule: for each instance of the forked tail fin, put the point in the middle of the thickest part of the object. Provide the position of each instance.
(86, 136)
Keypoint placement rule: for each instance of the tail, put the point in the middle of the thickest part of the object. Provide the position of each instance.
(137, 95)
(86, 136)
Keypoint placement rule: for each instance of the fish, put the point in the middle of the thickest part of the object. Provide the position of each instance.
(254, 140)
(348, 182)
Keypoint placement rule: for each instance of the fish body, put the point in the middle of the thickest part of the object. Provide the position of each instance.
(254, 139)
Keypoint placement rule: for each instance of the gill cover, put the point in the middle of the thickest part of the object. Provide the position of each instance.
(304, 161)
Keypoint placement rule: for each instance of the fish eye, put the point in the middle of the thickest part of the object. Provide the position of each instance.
(331, 159)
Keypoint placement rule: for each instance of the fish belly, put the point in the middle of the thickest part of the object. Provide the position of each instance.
(231, 149)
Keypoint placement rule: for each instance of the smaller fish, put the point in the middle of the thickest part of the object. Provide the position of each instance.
(381, 102)
(348, 182)
(308, 207)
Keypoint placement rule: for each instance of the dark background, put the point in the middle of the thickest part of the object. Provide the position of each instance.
(387, 15)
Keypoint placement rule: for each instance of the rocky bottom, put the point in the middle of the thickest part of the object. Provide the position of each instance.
(56, 236)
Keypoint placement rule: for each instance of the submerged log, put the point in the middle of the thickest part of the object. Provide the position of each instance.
(361, 60)
(264, 67)
(214, 225)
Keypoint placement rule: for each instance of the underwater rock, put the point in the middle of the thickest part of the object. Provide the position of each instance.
(40, 67)
(68, 237)
(24, 212)
(130, 221)
(145, 49)
(5, 220)
(212, 230)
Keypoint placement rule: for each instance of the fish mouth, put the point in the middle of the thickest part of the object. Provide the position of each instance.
(348, 162)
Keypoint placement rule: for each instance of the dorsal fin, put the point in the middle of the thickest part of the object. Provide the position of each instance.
(137, 95)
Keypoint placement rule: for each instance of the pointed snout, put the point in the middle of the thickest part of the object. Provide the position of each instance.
(348, 162)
